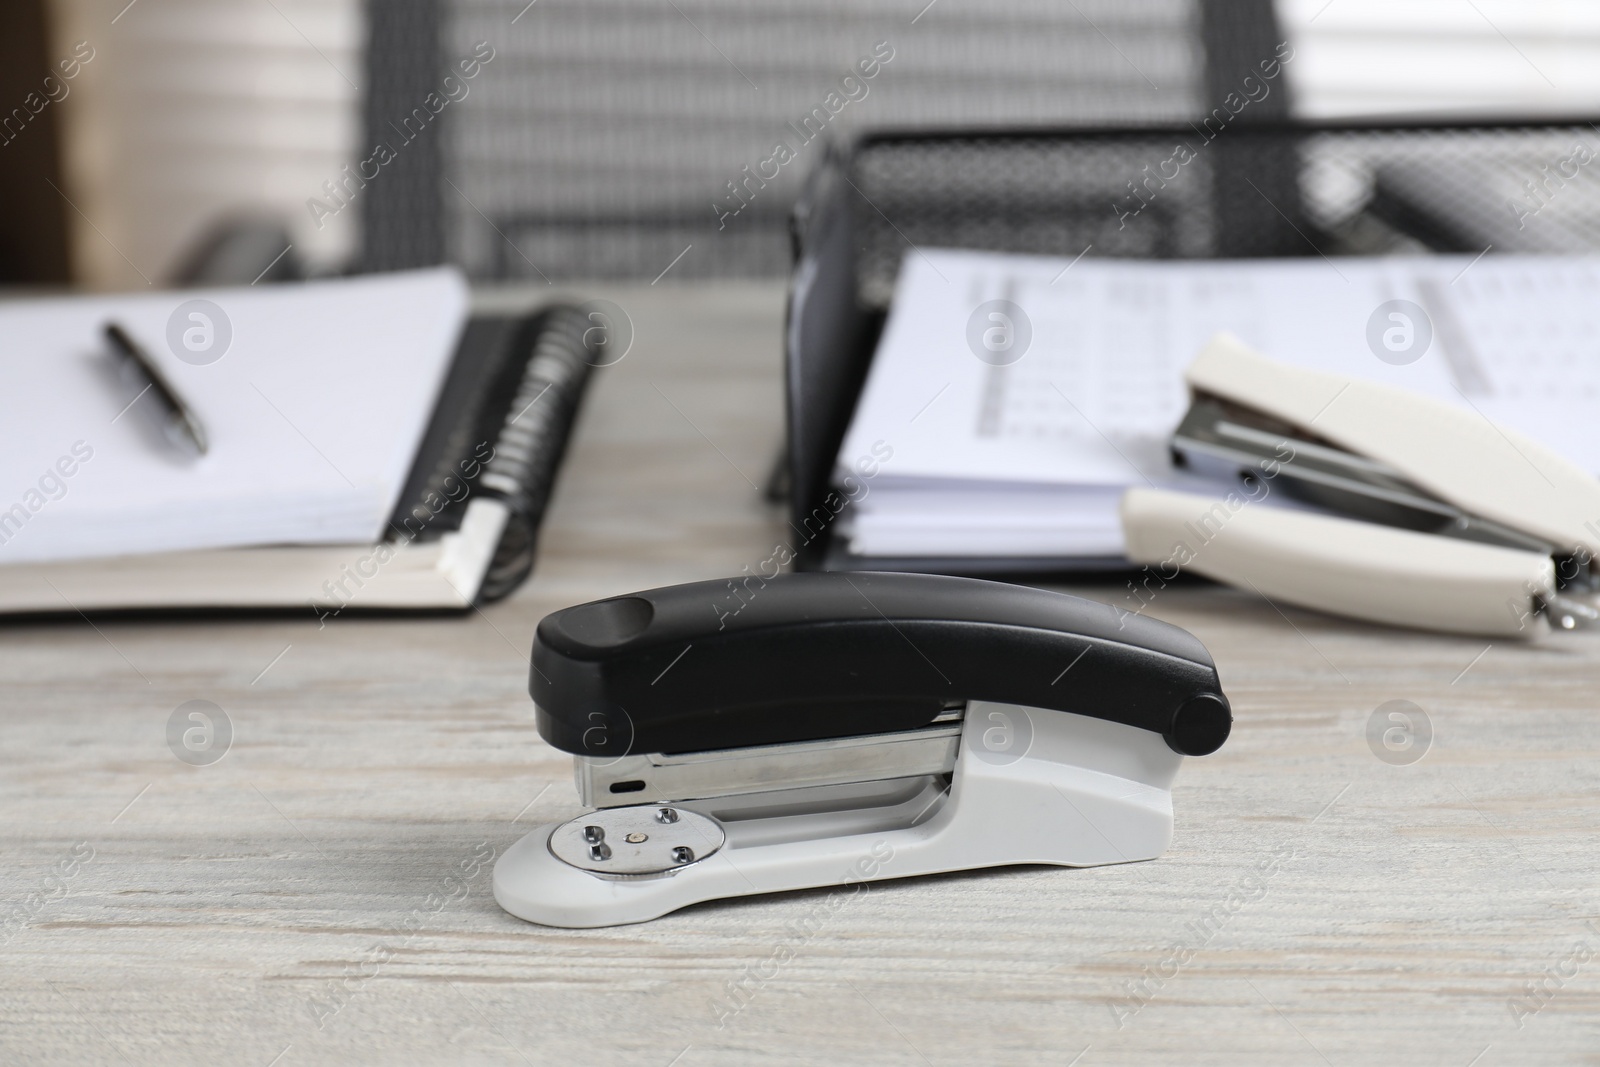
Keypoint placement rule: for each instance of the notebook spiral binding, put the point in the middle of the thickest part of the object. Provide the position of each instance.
(533, 438)
(501, 431)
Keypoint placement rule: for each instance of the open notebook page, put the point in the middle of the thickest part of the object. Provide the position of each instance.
(314, 413)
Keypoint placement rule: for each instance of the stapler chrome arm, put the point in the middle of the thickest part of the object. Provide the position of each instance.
(849, 727)
(1420, 513)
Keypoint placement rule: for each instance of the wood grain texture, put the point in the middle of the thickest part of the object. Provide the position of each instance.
(294, 903)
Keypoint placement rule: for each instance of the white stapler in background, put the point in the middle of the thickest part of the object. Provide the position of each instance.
(1430, 516)
(817, 729)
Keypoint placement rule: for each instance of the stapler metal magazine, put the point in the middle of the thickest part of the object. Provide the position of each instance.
(1419, 514)
(849, 727)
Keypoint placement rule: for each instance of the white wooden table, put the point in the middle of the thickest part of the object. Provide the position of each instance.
(319, 896)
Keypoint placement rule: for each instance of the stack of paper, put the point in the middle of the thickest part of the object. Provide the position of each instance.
(1023, 451)
(314, 407)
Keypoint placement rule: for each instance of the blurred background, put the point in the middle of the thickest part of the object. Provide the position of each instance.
(154, 142)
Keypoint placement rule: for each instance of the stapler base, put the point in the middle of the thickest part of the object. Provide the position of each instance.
(1029, 786)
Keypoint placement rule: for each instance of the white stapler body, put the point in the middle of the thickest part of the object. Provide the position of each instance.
(1446, 521)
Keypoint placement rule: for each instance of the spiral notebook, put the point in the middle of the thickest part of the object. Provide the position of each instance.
(373, 446)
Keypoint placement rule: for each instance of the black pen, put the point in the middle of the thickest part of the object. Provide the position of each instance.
(180, 418)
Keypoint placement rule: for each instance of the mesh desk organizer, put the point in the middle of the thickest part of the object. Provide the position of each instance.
(1270, 189)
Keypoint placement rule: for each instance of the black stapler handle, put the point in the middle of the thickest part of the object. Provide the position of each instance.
(802, 657)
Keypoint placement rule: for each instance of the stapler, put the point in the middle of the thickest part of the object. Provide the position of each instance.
(810, 730)
(1412, 511)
